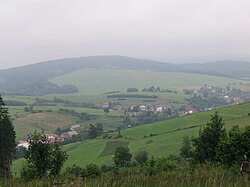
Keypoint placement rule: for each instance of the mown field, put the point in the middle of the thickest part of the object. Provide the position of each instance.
(94, 81)
(159, 139)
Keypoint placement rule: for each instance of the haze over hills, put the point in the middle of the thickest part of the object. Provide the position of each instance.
(34, 79)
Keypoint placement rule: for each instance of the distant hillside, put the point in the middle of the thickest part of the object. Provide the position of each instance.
(34, 79)
(232, 69)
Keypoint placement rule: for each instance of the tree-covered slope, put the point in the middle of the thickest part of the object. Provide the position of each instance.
(233, 69)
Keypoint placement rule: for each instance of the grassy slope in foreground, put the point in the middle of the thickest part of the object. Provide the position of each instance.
(167, 140)
(93, 81)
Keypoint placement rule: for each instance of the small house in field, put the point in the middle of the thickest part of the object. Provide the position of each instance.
(72, 133)
(52, 137)
(25, 145)
(75, 127)
(191, 111)
(63, 136)
(159, 109)
(182, 113)
(102, 105)
(143, 108)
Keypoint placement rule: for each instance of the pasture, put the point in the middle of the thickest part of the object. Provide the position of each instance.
(94, 81)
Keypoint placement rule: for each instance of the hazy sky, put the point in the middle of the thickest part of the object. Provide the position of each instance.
(168, 30)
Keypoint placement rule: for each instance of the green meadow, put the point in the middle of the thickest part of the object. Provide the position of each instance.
(26, 122)
(99, 81)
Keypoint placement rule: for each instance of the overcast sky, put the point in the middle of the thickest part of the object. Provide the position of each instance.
(169, 30)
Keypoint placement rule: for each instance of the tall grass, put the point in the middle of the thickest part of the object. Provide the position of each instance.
(198, 178)
(207, 176)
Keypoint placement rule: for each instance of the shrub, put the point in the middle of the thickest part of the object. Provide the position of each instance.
(122, 156)
(91, 170)
(156, 166)
(105, 168)
(74, 170)
(141, 157)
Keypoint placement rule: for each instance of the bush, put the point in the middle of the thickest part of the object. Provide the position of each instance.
(156, 166)
(91, 170)
(122, 156)
(105, 168)
(141, 157)
(74, 170)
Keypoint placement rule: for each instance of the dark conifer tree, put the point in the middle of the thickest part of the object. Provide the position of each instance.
(7, 141)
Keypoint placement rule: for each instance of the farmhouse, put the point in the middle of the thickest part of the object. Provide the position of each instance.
(52, 137)
(63, 136)
(159, 109)
(143, 108)
(24, 144)
(72, 133)
(102, 105)
(182, 113)
(75, 127)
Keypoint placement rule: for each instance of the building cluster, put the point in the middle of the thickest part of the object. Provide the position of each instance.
(188, 111)
(134, 108)
(23, 142)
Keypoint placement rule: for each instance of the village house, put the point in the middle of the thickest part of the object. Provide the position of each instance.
(159, 109)
(182, 113)
(75, 127)
(63, 136)
(143, 108)
(237, 100)
(24, 144)
(52, 137)
(191, 110)
(150, 108)
(72, 133)
(118, 108)
(102, 105)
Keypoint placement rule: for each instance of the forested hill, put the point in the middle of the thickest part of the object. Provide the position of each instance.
(34, 79)
(232, 69)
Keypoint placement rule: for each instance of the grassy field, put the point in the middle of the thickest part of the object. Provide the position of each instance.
(165, 138)
(49, 121)
(205, 176)
(92, 81)
(168, 134)
(25, 122)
